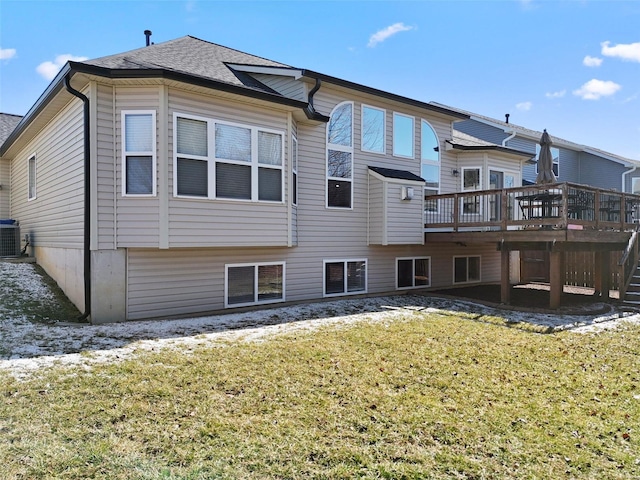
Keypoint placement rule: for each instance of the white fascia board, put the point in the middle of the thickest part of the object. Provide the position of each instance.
(282, 71)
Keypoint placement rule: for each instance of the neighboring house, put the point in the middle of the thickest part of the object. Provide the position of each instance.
(8, 123)
(186, 177)
(572, 162)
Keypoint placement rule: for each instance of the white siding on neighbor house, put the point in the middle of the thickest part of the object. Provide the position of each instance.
(205, 223)
(55, 217)
(286, 86)
(5, 191)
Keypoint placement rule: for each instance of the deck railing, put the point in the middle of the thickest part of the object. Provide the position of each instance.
(559, 205)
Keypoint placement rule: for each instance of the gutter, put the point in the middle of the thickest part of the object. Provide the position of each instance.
(87, 198)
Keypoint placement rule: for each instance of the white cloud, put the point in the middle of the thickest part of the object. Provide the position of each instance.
(559, 94)
(381, 35)
(524, 106)
(7, 53)
(594, 89)
(50, 69)
(589, 61)
(629, 51)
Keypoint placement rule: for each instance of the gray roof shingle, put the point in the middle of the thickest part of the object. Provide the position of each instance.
(7, 123)
(398, 174)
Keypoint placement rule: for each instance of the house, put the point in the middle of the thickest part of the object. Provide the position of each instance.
(572, 162)
(186, 177)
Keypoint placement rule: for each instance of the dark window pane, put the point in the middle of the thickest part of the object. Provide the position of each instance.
(241, 285)
(334, 277)
(339, 193)
(421, 271)
(356, 277)
(460, 269)
(233, 181)
(405, 273)
(474, 269)
(294, 189)
(139, 175)
(192, 177)
(269, 184)
(269, 282)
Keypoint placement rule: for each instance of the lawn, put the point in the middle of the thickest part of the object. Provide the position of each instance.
(425, 395)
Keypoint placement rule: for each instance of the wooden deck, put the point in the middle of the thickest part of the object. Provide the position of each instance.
(556, 218)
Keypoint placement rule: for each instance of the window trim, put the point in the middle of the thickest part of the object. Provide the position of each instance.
(212, 160)
(384, 129)
(294, 170)
(33, 157)
(433, 163)
(413, 263)
(453, 277)
(345, 262)
(126, 154)
(338, 148)
(635, 180)
(413, 135)
(256, 266)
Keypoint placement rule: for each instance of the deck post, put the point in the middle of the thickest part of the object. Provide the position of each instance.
(603, 259)
(556, 280)
(505, 281)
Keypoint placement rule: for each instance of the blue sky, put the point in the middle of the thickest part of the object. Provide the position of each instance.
(572, 67)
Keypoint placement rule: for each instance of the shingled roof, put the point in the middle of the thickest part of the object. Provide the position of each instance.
(8, 123)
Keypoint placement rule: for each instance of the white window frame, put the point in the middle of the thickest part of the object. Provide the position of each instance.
(126, 154)
(339, 148)
(467, 190)
(433, 163)
(212, 160)
(255, 283)
(32, 177)
(413, 264)
(467, 257)
(556, 159)
(413, 135)
(345, 278)
(294, 170)
(384, 129)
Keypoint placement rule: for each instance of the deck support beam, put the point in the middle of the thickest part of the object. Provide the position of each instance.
(556, 278)
(505, 280)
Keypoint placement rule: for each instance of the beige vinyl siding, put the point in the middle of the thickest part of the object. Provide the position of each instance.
(178, 282)
(405, 224)
(5, 184)
(206, 223)
(106, 166)
(377, 225)
(55, 217)
(138, 219)
(286, 86)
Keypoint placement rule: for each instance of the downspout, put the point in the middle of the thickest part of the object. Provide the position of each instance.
(87, 199)
(624, 178)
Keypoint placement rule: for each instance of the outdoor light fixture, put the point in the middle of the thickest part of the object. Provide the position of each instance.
(455, 172)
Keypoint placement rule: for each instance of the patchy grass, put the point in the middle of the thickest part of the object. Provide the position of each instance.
(425, 396)
(27, 291)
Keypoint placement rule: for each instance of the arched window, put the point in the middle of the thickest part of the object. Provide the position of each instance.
(340, 156)
(430, 158)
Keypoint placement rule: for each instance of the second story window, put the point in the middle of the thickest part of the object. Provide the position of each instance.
(139, 153)
(430, 158)
(31, 195)
(222, 160)
(373, 130)
(403, 135)
(340, 157)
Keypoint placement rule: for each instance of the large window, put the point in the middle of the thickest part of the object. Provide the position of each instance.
(345, 277)
(413, 272)
(340, 156)
(31, 165)
(139, 153)
(430, 157)
(471, 181)
(250, 284)
(555, 154)
(403, 135)
(216, 159)
(373, 129)
(466, 269)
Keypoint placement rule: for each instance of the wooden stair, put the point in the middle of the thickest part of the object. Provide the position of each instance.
(632, 297)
